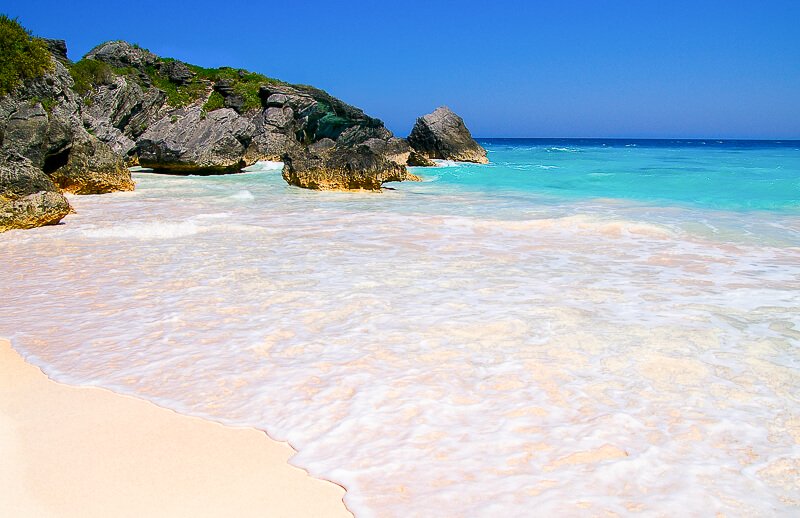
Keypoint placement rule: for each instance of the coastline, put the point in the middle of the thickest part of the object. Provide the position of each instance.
(86, 451)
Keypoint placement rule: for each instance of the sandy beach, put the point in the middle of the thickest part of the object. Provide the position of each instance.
(73, 451)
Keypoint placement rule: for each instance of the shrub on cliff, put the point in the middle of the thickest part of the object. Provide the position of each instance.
(88, 73)
(21, 55)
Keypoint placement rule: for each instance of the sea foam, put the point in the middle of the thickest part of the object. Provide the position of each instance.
(442, 349)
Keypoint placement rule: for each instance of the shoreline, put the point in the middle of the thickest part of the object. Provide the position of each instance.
(87, 451)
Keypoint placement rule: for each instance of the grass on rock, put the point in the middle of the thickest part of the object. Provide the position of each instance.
(22, 56)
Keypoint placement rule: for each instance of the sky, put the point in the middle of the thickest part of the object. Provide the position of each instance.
(567, 68)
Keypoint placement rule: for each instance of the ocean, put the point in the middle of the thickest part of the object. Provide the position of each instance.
(581, 327)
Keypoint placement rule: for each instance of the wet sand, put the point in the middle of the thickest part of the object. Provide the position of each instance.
(74, 451)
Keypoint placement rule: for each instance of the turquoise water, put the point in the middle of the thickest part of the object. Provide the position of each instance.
(730, 175)
(582, 328)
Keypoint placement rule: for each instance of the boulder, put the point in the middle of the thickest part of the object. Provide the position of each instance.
(442, 134)
(28, 198)
(190, 141)
(326, 167)
(92, 167)
(417, 160)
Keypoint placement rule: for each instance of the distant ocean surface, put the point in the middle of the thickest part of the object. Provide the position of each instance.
(581, 327)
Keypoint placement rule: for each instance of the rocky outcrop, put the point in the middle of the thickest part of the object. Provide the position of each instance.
(58, 48)
(28, 198)
(442, 134)
(191, 141)
(393, 149)
(41, 120)
(215, 121)
(121, 54)
(92, 168)
(417, 160)
(323, 166)
(119, 112)
(177, 72)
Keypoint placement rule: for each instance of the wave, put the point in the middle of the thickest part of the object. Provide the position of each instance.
(447, 163)
(264, 166)
(562, 149)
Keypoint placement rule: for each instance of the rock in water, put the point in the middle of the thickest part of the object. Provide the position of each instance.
(332, 167)
(28, 198)
(417, 160)
(442, 134)
(191, 141)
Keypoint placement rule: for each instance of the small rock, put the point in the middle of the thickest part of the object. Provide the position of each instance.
(442, 134)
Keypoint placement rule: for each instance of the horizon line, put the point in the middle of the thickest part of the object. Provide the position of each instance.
(691, 139)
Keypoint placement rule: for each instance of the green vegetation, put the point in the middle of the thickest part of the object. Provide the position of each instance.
(22, 56)
(47, 103)
(245, 84)
(89, 73)
(177, 95)
(215, 102)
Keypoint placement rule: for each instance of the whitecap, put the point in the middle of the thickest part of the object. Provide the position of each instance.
(446, 163)
(263, 166)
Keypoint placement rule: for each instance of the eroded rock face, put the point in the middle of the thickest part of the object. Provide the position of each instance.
(442, 134)
(326, 167)
(28, 198)
(119, 112)
(92, 167)
(36, 132)
(42, 121)
(190, 141)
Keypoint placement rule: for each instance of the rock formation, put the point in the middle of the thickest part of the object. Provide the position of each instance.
(28, 198)
(41, 120)
(328, 166)
(442, 134)
(191, 141)
(417, 160)
(178, 118)
(76, 125)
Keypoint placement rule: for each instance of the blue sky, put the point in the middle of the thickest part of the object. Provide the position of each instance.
(603, 68)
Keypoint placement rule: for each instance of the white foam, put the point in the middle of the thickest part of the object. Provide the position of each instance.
(145, 230)
(447, 163)
(244, 194)
(264, 166)
(600, 358)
